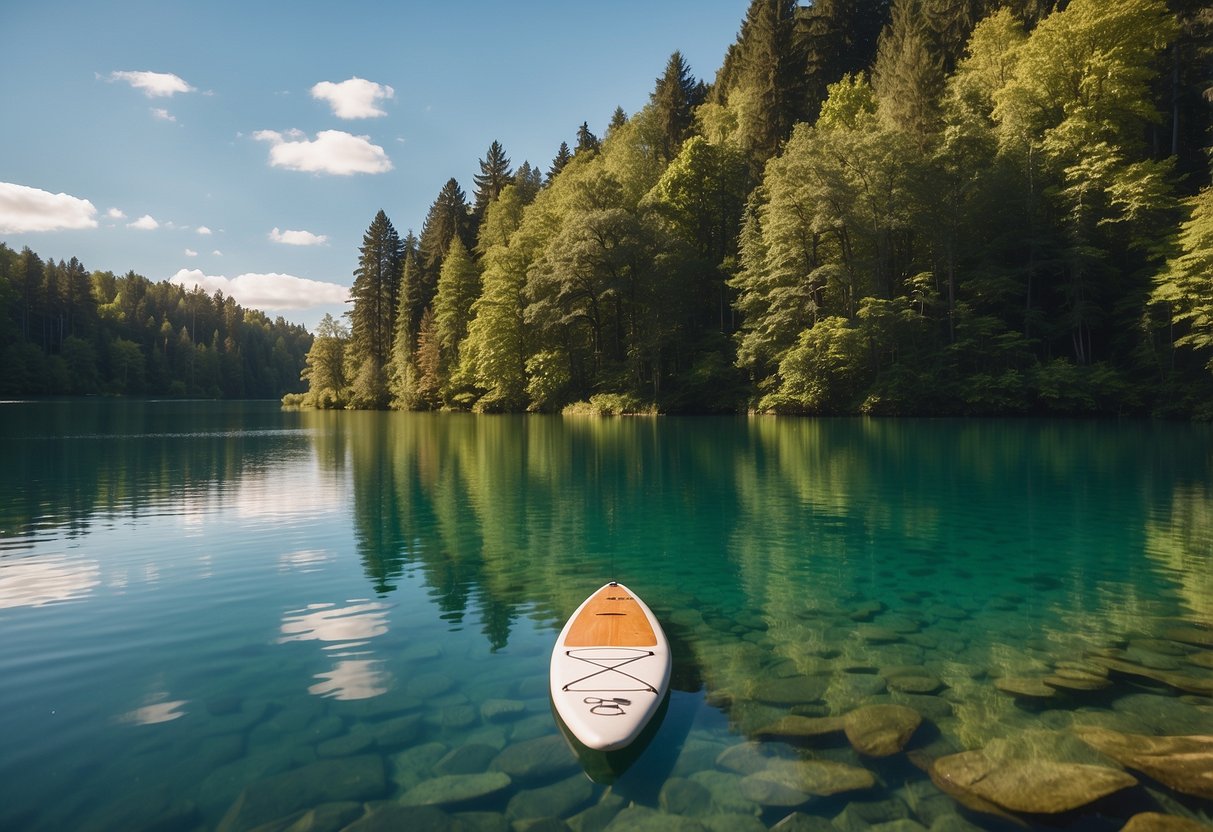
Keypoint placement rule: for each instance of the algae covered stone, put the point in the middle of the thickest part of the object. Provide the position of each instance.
(881, 730)
(1036, 786)
(455, 789)
(1181, 763)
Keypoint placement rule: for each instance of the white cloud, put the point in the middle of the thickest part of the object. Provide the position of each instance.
(332, 151)
(298, 238)
(189, 252)
(266, 291)
(23, 209)
(204, 231)
(153, 84)
(217, 253)
(355, 98)
(145, 223)
(162, 114)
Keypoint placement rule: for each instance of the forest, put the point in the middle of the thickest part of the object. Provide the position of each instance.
(906, 207)
(67, 331)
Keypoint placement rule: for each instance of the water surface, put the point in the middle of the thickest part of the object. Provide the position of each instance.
(224, 614)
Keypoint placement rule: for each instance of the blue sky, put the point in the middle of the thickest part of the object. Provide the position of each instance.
(247, 145)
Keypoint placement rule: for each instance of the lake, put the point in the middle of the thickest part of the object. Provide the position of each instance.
(223, 615)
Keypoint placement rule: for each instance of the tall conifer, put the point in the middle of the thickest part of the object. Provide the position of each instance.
(495, 174)
(374, 294)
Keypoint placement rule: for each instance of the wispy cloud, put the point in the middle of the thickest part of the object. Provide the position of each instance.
(203, 230)
(298, 238)
(152, 84)
(23, 209)
(266, 291)
(189, 252)
(145, 223)
(161, 114)
(355, 98)
(332, 151)
(115, 214)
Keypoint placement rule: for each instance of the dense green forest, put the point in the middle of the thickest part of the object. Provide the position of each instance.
(66, 331)
(916, 206)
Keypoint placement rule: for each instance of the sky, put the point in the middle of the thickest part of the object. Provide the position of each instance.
(246, 146)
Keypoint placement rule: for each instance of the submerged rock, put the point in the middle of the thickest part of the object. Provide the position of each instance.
(1200, 636)
(539, 759)
(680, 796)
(794, 690)
(803, 728)
(472, 758)
(559, 799)
(1022, 687)
(1158, 822)
(327, 781)
(1036, 786)
(914, 682)
(449, 790)
(391, 817)
(881, 730)
(1181, 763)
(793, 782)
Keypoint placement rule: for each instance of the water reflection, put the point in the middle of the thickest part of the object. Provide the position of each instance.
(356, 674)
(42, 580)
(70, 464)
(157, 708)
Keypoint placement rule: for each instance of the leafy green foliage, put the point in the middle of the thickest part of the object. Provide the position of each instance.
(974, 230)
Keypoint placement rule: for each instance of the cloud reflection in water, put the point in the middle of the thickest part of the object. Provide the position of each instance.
(38, 581)
(355, 674)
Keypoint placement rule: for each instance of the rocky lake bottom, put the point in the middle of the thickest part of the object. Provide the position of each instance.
(262, 624)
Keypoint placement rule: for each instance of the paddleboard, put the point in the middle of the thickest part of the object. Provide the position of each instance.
(610, 669)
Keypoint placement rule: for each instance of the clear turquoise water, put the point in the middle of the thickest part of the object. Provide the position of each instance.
(204, 600)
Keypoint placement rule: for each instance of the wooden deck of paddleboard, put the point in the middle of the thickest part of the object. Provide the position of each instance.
(611, 618)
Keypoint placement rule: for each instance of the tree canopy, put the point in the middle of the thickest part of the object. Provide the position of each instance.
(915, 206)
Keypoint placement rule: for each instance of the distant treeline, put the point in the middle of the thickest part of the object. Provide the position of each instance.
(67, 331)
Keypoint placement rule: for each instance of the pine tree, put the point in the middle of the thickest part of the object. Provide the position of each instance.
(374, 294)
(402, 371)
(528, 181)
(458, 288)
(449, 217)
(586, 141)
(494, 175)
(429, 363)
(563, 157)
(771, 76)
(840, 38)
(674, 99)
(908, 77)
(618, 119)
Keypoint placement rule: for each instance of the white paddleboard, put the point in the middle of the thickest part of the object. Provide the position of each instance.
(610, 669)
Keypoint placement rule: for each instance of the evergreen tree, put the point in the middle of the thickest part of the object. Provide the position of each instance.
(494, 175)
(840, 38)
(673, 99)
(563, 157)
(429, 363)
(618, 119)
(528, 181)
(402, 369)
(770, 86)
(375, 298)
(449, 217)
(458, 288)
(586, 141)
(908, 77)
(494, 353)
